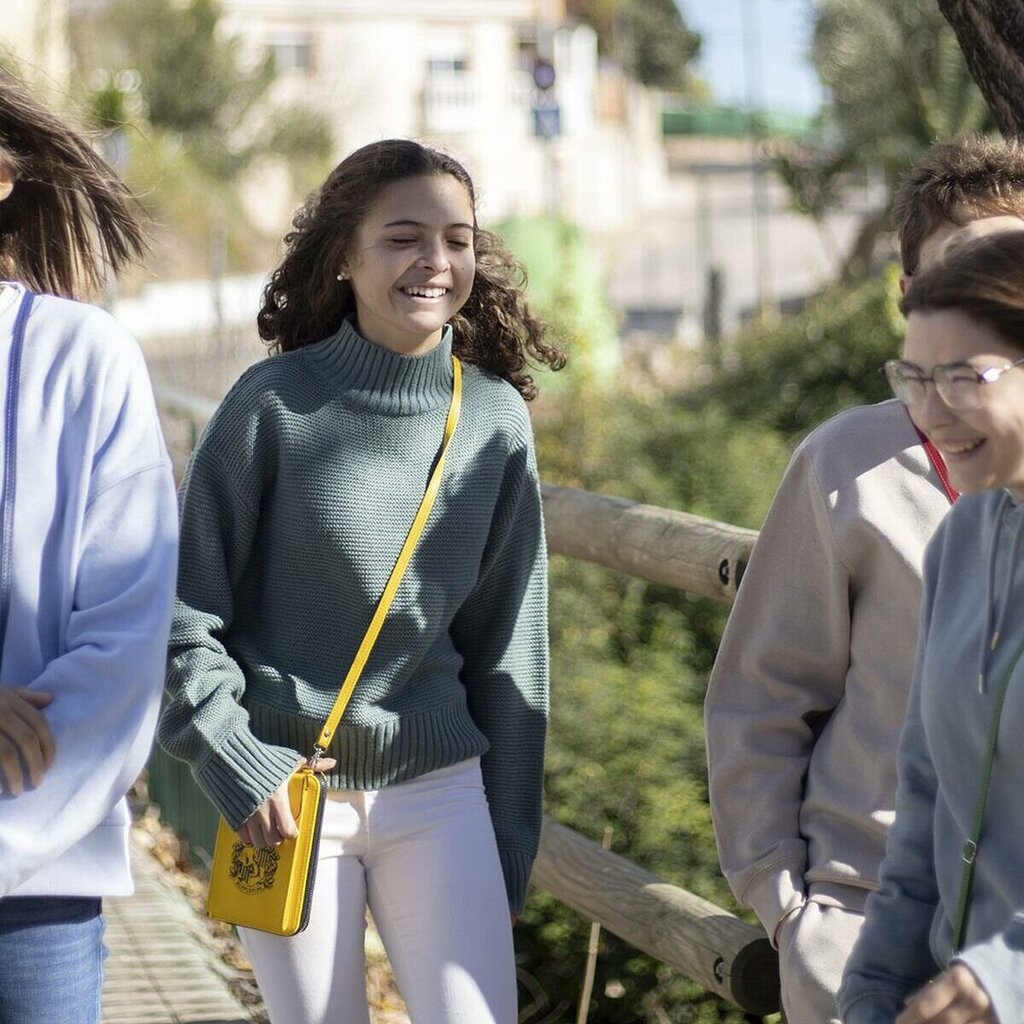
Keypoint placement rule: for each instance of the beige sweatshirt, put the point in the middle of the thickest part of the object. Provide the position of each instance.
(810, 686)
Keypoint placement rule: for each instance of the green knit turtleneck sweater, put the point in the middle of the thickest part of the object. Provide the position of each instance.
(294, 507)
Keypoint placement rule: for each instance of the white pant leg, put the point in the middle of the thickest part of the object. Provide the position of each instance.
(437, 896)
(319, 975)
(814, 945)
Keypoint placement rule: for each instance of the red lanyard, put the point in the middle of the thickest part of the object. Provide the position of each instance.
(940, 467)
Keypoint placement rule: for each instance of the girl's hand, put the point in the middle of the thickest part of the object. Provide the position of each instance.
(25, 738)
(273, 822)
(954, 997)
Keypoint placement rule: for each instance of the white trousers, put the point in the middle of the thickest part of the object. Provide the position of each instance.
(422, 855)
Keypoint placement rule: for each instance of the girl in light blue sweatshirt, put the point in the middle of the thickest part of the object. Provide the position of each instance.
(88, 530)
(938, 947)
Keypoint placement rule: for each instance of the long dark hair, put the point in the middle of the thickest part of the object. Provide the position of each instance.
(305, 303)
(983, 279)
(69, 213)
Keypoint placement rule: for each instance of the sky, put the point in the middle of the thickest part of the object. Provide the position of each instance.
(787, 79)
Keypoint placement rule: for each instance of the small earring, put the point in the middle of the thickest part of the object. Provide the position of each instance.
(343, 276)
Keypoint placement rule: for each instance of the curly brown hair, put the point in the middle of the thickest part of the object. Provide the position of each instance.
(304, 302)
(68, 214)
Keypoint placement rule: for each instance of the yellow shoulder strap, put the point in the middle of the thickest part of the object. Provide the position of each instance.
(373, 630)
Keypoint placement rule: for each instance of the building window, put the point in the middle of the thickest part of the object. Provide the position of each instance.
(527, 48)
(293, 54)
(446, 52)
(447, 65)
(449, 88)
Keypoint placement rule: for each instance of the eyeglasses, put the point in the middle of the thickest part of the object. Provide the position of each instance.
(959, 384)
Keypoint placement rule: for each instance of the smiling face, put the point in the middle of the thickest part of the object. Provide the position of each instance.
(984, 447)
(412, 264)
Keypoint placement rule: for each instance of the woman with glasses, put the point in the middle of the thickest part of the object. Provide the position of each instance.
(943, 940)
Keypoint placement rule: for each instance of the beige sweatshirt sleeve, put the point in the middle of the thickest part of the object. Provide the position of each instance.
(780, 671)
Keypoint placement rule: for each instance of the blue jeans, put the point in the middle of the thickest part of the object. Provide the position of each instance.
(51, 960)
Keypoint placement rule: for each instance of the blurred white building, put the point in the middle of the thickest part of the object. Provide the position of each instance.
(460, 74)
(36, 33)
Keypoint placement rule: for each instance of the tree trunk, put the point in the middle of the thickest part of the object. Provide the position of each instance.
(991, 35)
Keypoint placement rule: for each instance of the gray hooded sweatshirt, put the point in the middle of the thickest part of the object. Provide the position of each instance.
(972, 629)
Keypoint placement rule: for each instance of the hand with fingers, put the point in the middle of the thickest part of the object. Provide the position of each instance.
(26, 742)
(273, 821)
(954, 997)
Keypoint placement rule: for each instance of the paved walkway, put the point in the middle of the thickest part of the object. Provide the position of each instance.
(159, 970)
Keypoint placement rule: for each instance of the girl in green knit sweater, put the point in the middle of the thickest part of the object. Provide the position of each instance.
(294, 507)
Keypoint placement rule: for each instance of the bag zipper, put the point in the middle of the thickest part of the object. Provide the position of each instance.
(307, 901)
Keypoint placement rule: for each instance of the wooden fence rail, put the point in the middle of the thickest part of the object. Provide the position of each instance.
(678, 549)
(705, 942)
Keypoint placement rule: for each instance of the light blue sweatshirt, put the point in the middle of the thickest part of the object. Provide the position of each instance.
(87, 578)
(972, 626)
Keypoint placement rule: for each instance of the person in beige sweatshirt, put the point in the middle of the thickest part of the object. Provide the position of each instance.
(809, 690)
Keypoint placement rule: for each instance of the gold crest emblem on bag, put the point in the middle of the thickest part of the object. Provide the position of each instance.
(253, 870)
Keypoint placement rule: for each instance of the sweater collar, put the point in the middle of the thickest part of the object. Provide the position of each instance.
(378, 378)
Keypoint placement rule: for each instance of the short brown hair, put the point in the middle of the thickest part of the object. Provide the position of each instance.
(983, 279)
(973, 175)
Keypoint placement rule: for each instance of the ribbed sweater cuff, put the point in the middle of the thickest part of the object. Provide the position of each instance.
(374, 756)
(242, 773)
(516, 867)
(774, 893)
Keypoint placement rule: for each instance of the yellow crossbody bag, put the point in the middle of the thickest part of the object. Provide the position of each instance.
(272, 890)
